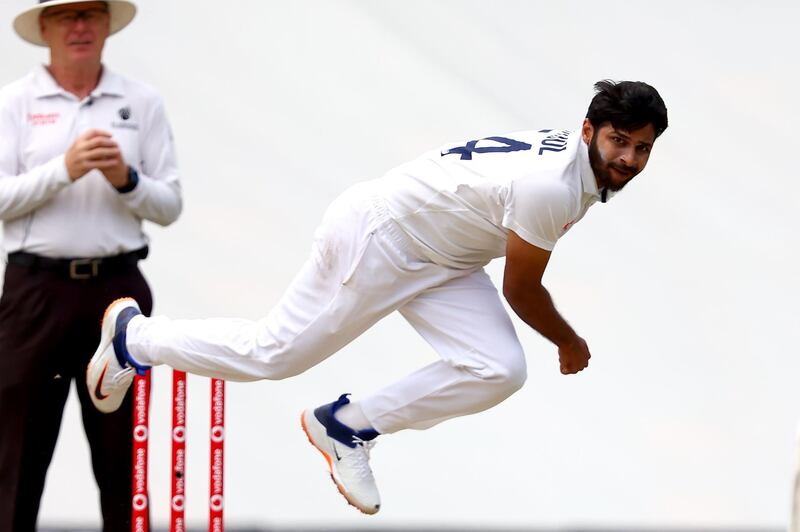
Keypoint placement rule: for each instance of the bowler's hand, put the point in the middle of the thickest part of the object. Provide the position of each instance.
(96, 150)
(574, 356)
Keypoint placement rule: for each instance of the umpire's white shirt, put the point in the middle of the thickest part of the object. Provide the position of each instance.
(459, 202)
(42, 211)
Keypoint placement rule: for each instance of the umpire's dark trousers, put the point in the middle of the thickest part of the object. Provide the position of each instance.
(49, 329)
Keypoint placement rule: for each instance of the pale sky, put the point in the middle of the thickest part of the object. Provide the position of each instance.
(685, 285)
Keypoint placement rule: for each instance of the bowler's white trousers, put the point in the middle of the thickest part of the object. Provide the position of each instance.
(362, 267)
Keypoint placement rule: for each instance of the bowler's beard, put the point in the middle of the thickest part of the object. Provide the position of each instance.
(601, 167)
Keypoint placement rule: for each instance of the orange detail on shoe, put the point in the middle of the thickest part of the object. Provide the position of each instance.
(308, 435)
(105, 314)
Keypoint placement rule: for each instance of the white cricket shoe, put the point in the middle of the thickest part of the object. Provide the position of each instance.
(111, 370)
(347, 455)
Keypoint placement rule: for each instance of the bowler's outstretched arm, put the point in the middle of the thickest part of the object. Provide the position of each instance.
(522, 288)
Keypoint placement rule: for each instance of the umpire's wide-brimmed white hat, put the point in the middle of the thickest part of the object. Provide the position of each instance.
(27, 23)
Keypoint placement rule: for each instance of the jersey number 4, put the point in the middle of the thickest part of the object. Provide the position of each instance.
(508, 145)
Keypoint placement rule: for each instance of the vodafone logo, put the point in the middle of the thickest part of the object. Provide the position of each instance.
(216, 503)
(140, 433)
(217, 434)
(179, 434)
(139, 502)
(178, 503)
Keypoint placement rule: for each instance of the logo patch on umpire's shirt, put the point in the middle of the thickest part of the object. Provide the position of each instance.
(125, 114)
(43, 119)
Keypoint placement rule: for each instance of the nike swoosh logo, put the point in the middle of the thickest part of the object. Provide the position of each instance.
(338, 458)
(97, 393)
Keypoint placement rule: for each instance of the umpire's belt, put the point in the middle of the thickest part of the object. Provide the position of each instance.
(78, 268)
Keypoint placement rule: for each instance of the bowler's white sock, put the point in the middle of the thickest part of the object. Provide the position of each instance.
(352, 416)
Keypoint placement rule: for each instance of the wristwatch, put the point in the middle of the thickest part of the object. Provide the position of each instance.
(133, 180)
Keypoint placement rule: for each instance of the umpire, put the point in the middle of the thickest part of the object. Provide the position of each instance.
(85, 156)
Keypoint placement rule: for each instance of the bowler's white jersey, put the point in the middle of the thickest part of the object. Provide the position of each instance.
(453, 207)
(459, 202)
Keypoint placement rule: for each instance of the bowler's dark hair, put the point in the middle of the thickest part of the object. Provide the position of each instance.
(628, 105)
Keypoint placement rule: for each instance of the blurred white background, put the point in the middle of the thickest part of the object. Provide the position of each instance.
(685, 285)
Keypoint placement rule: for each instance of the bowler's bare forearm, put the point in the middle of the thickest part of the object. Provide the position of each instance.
(535, 307)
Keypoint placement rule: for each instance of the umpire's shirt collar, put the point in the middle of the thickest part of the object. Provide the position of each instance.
(45, 85)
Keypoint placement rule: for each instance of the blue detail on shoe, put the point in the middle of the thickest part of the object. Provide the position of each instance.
(338, 430)
(120, 349)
